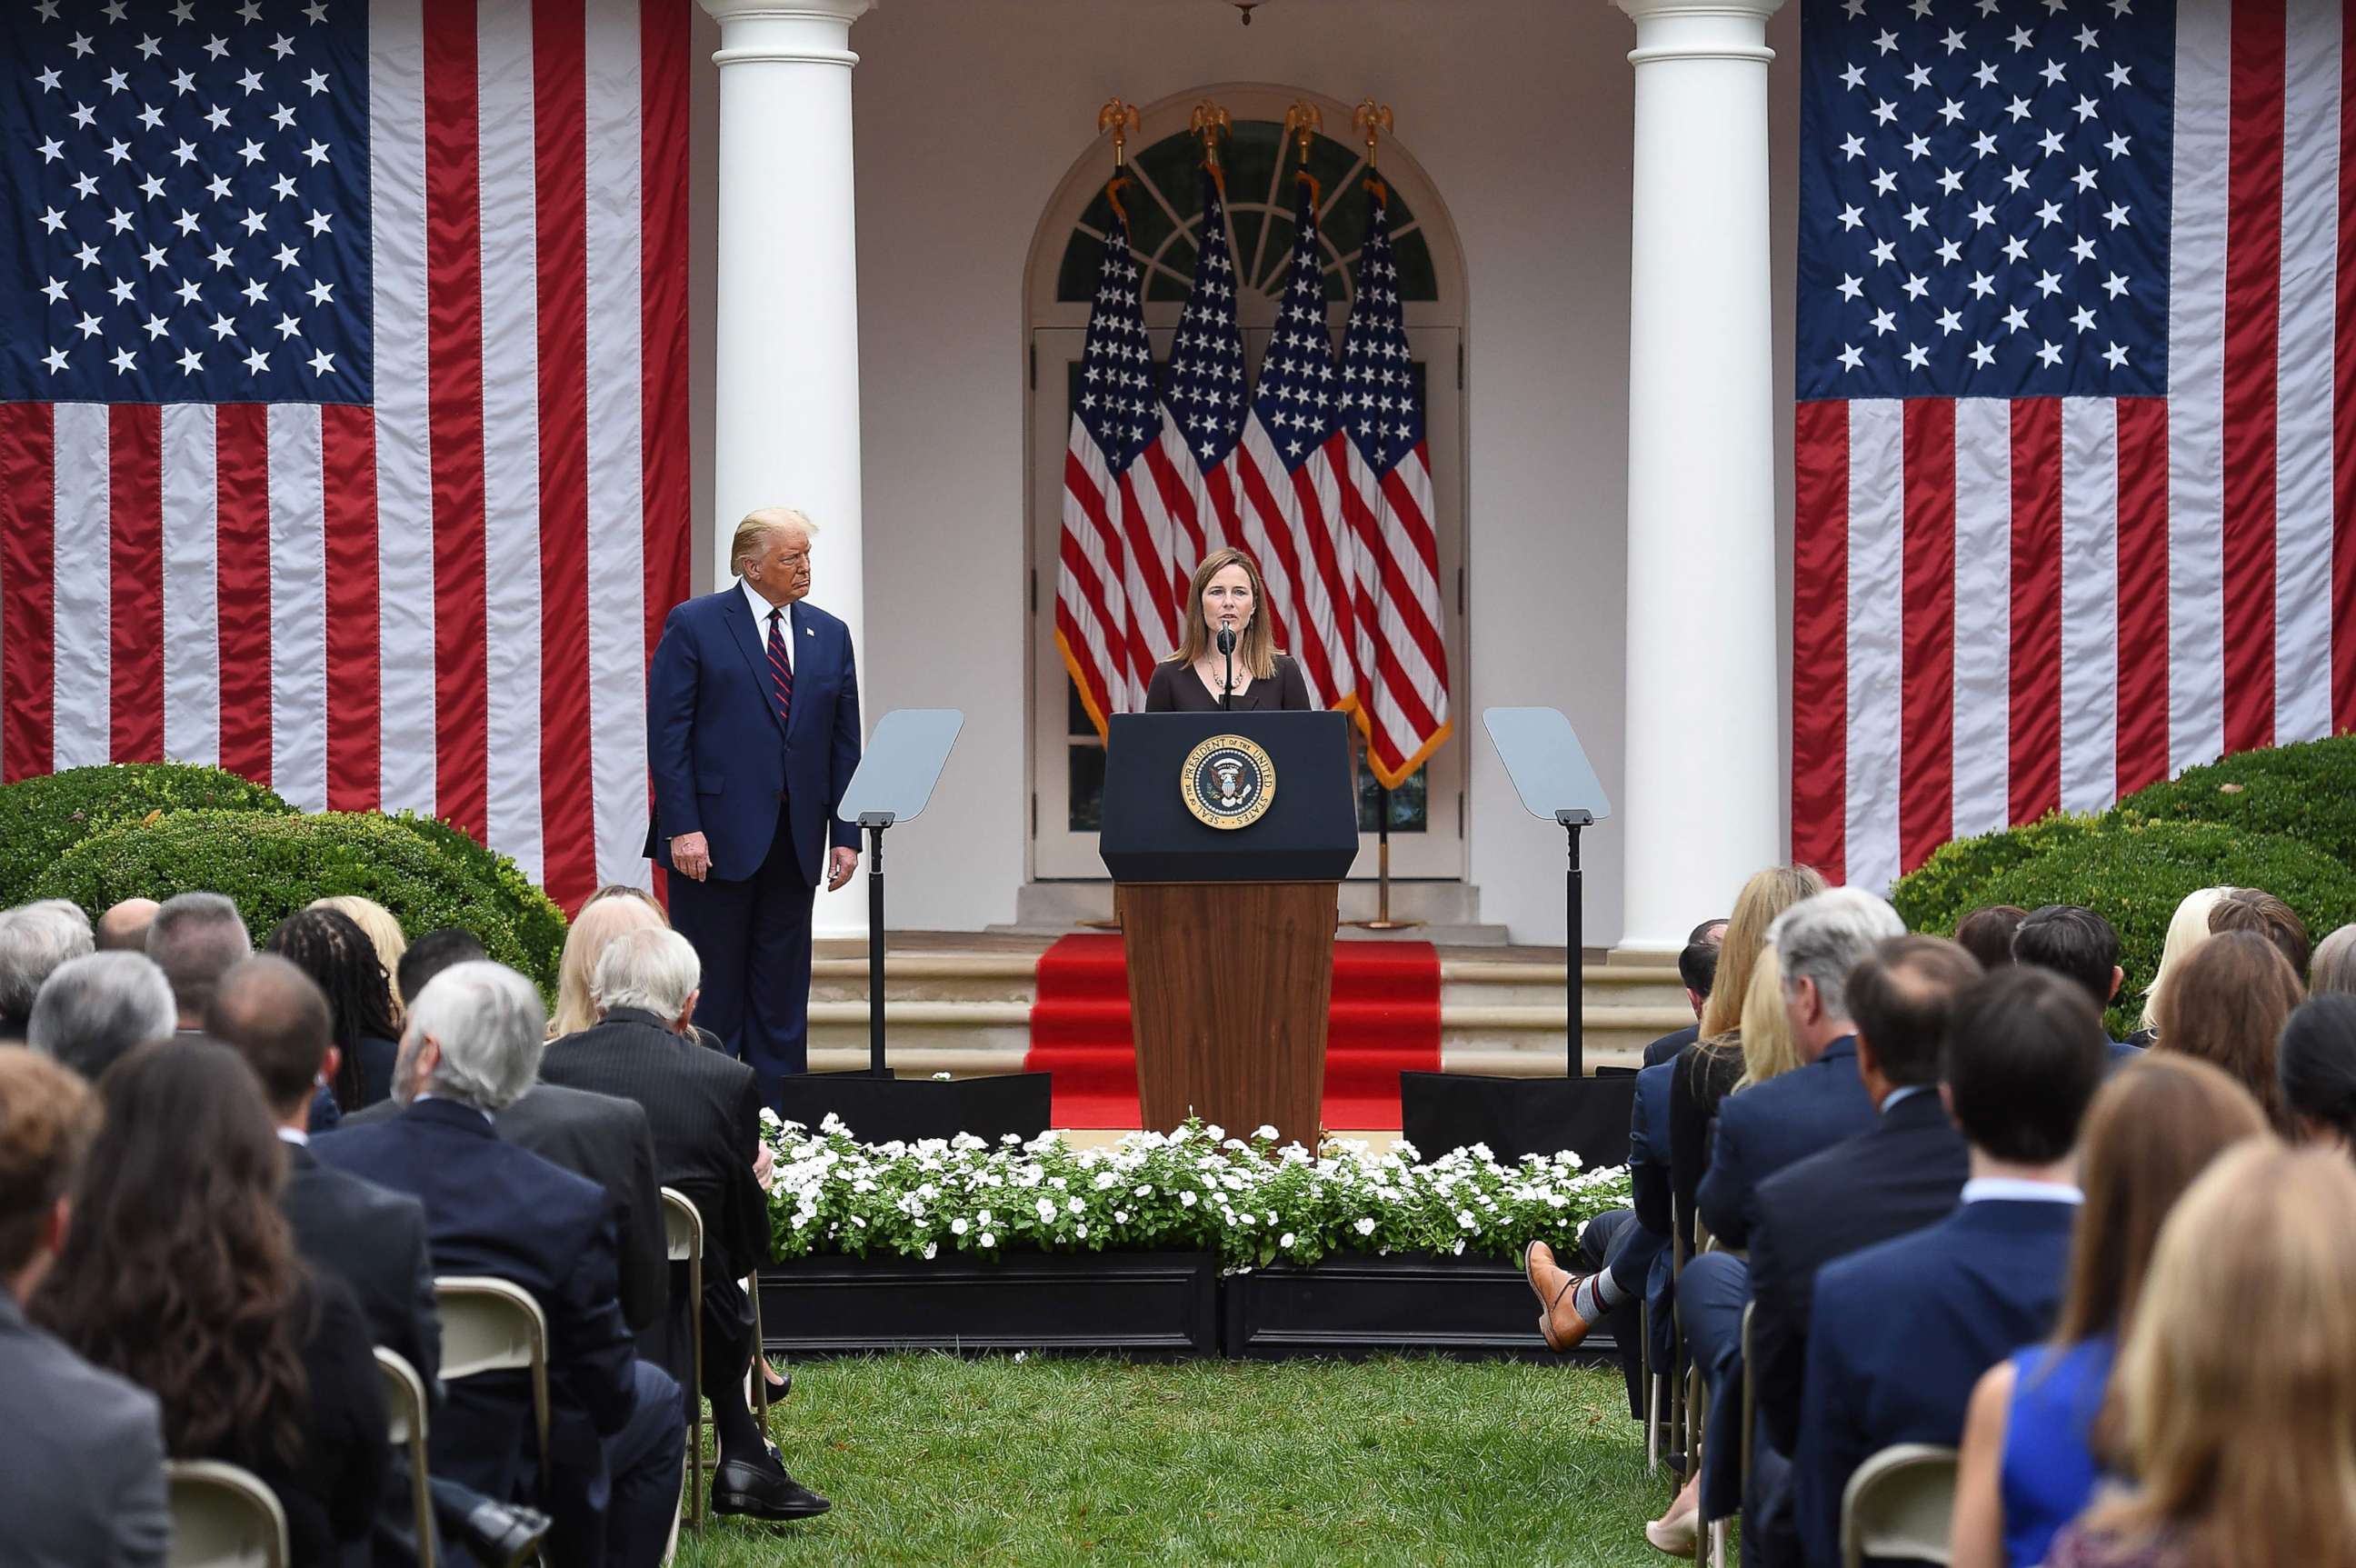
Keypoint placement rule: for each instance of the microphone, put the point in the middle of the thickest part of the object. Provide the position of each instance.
(1227, 647)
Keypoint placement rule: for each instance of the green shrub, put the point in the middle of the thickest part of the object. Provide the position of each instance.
(2134, 874)
(273, 866)
(1947, 886)
(537, 923)
(42, 817)
(2306, 791)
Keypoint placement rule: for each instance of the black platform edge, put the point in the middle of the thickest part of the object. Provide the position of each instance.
(880, 1110)
(1360, 1305)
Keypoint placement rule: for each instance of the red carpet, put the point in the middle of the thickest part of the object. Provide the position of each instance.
(1386, 1021)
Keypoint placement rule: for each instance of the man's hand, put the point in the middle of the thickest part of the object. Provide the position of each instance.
(842, 863)
(761, 1163)
(690, 856)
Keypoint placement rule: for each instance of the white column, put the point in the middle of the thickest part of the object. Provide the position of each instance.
(785, 418)
(1702, 791)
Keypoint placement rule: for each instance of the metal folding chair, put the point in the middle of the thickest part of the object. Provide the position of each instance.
(404, 1407)
(492, 1325)
(1899, 1503)
(224, 1516)
(683, 1231)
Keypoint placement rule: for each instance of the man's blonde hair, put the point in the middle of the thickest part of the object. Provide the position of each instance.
(759, 527)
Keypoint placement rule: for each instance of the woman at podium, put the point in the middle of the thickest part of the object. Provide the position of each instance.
(1225, 597)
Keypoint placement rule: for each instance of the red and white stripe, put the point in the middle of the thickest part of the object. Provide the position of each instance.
(1103, 585)
(1291, 523)
(1397, 612)
(444, 602)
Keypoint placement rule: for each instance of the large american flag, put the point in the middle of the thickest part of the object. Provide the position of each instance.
(2076, 437)
(342, 401)
(1387, 504)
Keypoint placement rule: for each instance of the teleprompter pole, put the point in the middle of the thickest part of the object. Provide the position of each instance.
(1574, 936)
(875, 822)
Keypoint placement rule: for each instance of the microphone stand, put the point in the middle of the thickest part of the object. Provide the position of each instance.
(1227, 647)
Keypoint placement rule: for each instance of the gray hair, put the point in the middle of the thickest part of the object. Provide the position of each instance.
(33, 940)
(65, 908)
(488, 1021)
(98, 1006)
(195, 937)
(2333, 967)
(1822, 937)
(653, 968)
(757, 527)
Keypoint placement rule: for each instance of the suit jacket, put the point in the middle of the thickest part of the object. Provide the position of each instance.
(332, 1498)
(372, 1239)
(81, 1459)
(704, 1110)
(1904, 1328)
(1648, 1147)
(1903, 1174)
(606, 1140)
(1773, 1124)
(723, 760)
(1667, 1048)
(494, 1208)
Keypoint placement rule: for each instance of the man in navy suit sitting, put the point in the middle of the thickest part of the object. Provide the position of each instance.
(752, 737)
(617, 1429)
(1904, 1329)
(2076, 944)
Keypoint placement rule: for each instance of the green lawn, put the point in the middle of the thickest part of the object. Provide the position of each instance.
(930, 1459)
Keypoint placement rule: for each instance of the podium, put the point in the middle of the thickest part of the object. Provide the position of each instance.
(1228, 835)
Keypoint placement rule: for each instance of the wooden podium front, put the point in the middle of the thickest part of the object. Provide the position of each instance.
(1229, 932)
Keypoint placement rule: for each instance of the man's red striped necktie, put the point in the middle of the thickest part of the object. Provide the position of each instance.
(781, 669)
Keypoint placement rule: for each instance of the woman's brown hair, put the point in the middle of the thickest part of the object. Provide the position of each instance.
(178, 1272)
(2244, 1441)
(2227, 1005)
(1767, 895)
(1256, 649)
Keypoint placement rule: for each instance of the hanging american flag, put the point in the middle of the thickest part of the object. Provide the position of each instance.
(1111, 578)
(1291, 464)
(1388, 507)
(343, 405)
(1191, 504)
(2076, 440)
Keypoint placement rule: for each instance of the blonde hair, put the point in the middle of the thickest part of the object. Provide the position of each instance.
(1256, 650)
(1767, 895)
(2187, 929)
(759, 527)
(384, 933)
(2243, 1443)
(1768, 1048)
(2333, 967)
(607, 913)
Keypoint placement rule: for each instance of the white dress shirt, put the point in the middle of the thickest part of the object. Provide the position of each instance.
(760, 609)
(2012, 1189)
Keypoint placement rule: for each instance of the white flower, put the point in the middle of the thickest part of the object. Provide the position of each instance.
(1120, 1217)
(1364, 1227)
(1265, 1130)
(931, 1248)
(1145, 1190)
(982, 1218)
(1046, 1210)
(1084, 1230)
(989, 1240)
(1215, 1132)
(769, 1118)
(1285, 1240)
(1185, 1200)
(1465, 1217)
(940, 1078)
(1073, 1204)
(1106, 1181)
(958, 1227)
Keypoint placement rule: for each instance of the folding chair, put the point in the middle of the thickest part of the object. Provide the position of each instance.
(1654, 1415)
(1899, 1503)
(1749, 1398)
(224, 1516)
(492, 1326)
(683, 1229)
(404, 1407)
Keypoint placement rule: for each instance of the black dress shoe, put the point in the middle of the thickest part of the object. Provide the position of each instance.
(755, 1491)
(779, 1380)
(506, 1534)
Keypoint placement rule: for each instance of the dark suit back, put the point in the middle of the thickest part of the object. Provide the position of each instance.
(1667, 1048)
(373, 1239)
(1769, 1125)
(494, 1208)
(1903, 1174)
(1904, 1329)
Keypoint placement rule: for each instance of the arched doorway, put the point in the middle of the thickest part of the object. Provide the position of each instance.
(1067, 760)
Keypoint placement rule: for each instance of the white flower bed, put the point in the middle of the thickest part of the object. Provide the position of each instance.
(1194, 1190)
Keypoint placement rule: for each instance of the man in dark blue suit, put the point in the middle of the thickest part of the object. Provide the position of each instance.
(617, 1432)
(2077, 944)
(752, 735)
(1904, 1329)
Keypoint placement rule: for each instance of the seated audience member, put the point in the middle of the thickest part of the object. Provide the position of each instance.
(431, 953)
(2255, 909)
(2227, 1005)
(123, 927)
(194, 938)
(2076, 944)
(604, 915)
(180, 1274)
(81, 1450)
(34, 939)
(383, 932)
(2187, 929)
(329, 946)
(1986, 934)
(2241, 1442)
(2028, 1453)
(2333, 967)
(1904, 1329)
(705, 1112)
(94, 1009)
(1696, 970)
(2316, 1063)
(471, 1048)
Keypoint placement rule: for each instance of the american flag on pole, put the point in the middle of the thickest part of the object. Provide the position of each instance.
(1291, 465)
(2076, 437)
(1386, 505)
(1111, 578)
(342, 401)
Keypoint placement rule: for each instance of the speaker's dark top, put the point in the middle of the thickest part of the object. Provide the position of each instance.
(1175, 689)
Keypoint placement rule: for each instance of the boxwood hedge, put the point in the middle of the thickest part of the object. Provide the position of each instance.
(537, 923)
(42, 817)
(1947, 886)
(2306, 791)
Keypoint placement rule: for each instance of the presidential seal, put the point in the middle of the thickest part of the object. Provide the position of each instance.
(1229, 782)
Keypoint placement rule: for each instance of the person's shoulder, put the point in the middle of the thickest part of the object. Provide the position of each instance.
(1886, 1266)
(44, 1380)
(811, 615)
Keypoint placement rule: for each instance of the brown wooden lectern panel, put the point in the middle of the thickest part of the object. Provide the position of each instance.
(1229, 991)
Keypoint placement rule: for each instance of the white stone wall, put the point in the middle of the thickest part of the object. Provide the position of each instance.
(969, 113)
